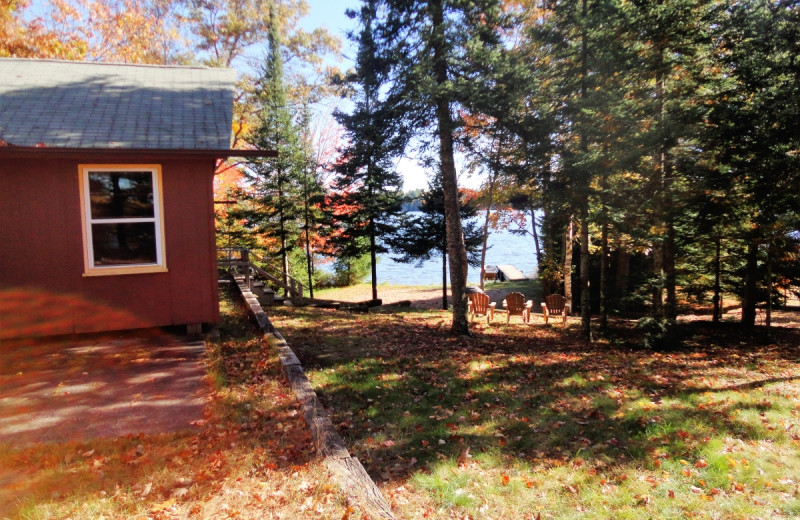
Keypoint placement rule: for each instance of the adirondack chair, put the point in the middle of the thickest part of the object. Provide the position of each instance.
(555, 305)
(516, 305)
(478, 303)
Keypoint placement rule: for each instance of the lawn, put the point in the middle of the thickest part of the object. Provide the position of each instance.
(251, 457)
(529, 422)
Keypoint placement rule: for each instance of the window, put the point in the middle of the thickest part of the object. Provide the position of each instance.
(122, 219)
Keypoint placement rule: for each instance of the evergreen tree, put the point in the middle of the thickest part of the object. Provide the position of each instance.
(755, 129)
(367, 181)
(670, 81)
(583, 69)
(423, 236)
(444, 55)
(274, 193)
(312, 194)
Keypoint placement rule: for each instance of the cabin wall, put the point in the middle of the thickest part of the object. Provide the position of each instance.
(42, 287)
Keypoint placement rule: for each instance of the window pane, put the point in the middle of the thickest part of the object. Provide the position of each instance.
(121, 194)
(124, 244)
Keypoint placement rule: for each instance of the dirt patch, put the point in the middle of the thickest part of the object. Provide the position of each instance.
(67, 389)
(420, 297)
(431, 298)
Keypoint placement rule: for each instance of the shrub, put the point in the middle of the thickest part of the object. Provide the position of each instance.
(659, 333)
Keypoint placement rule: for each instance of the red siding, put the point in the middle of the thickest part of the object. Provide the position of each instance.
(42, 287)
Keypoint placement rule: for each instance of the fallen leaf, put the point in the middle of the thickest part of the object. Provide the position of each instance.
(464, 456)
(179, 492)
(163, 505)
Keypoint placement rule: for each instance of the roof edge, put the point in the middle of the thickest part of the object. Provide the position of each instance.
(117, 64)
(39, 151)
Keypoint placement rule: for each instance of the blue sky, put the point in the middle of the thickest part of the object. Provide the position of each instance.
(330, 15)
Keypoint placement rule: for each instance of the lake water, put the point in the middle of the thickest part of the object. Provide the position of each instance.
(504, 248)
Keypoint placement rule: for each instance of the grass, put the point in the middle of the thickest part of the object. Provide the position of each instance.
(250, 458)
(525, 421)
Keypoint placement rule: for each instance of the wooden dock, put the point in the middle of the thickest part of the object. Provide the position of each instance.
(510, 273)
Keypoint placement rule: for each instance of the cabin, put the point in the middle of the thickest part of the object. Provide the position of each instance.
(106, 198)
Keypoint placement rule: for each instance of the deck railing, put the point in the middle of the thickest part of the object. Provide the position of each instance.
(242, 260)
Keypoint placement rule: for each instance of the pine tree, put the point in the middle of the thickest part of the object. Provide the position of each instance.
(443, 55)
(674, 55)
(423, 236)
(583, 69)
(312, 194)
(367, 180)
(275, 193)
(755, 128)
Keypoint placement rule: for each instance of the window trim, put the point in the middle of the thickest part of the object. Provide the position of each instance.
(160, 266)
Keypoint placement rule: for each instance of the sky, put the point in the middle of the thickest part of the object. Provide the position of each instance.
(330, 15)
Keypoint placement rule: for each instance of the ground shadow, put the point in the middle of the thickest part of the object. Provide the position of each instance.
(83, 387)
(407, 394)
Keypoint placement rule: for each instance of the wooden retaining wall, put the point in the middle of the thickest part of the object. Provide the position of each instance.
(347, 471)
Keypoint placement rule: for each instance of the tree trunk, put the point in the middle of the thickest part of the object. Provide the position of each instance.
(484, 246)
(444, 280)
(671, 308)
(717, 275)
(604, 272)
(586, 301)
(309, 259)
(373, 259)
(372, 239)
(658, 245)
(749, 299)
(282, 227)
(455, 235)
(768, 317)
(549, 252)
(535, 233)
(604, 256)
(568, 238)
(586, 310)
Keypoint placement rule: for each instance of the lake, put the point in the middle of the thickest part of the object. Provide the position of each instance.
(504, 248)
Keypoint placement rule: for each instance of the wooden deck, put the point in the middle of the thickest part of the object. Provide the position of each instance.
(510, 273)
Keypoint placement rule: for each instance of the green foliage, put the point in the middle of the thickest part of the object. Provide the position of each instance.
(422, 236)
(275, 193)
(350, 271)
(445, 59)
(659, 333)
(368, 187)
(670, 130)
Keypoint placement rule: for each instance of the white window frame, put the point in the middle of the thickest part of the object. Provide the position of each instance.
(90, 269)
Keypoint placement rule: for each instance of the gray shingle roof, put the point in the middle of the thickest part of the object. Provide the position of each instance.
(101, 105)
